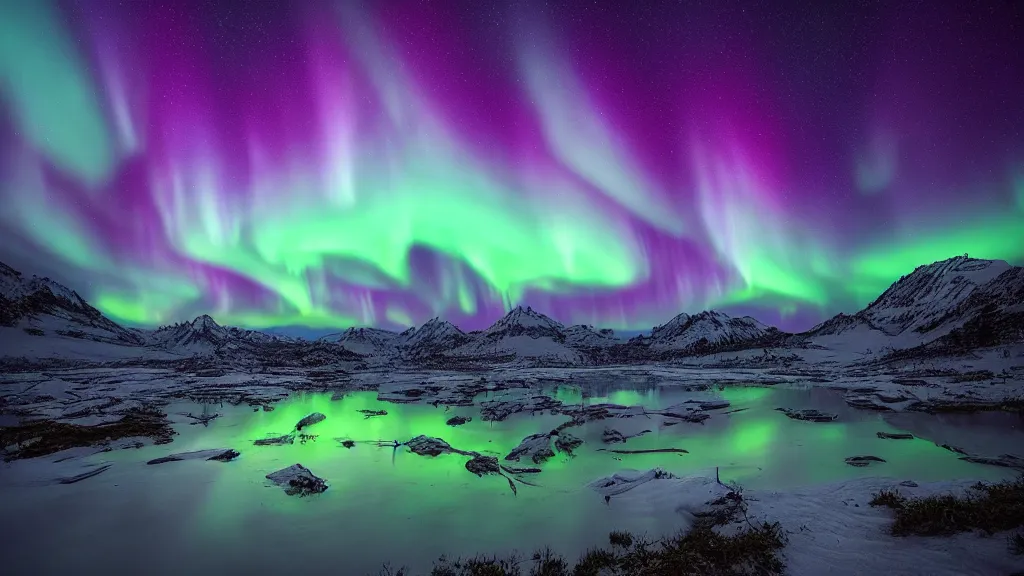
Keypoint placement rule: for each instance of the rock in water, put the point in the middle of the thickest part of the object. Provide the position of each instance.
(481, 465)
(894, 436)
(610, 436)
(297, 480)
(220, 455)
(1004, 461)
(427, 446)
(225, 456)
(313, 418)
(567, 443)
(862, 461)
(275, 440)
(537, 447)
(710, 404)
(458, 420)
(808, 415)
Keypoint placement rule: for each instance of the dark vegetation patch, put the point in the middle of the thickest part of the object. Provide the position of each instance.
(990, 508)
(1016, 543)
(41, 438)
(742, 548)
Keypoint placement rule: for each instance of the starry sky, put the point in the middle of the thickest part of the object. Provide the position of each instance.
(335, 163)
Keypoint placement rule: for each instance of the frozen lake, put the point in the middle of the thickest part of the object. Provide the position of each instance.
(388, 504)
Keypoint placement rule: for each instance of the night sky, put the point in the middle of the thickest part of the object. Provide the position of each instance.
(328, 164)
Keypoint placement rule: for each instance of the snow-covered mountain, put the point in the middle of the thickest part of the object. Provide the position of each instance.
(938, 301)
(956, 304)
(203, 334)
(523, 333)
(920, 299)
(368, 341)
(705, 332)
(586, 336)
(40, 306)
(526, 322)
(435, 337)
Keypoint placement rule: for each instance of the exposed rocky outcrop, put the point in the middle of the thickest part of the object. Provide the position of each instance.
(894, 436)
(480, 465)
(808, 415)
(536, 447)
(314, 418)
(220, 455)
(297, 480)
(567, 443)
(275, 440)
(862, 461)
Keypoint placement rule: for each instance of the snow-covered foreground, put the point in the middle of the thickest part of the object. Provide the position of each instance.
(227, 516)
(831, 528)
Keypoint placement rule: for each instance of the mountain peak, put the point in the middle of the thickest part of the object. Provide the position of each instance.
(204, 322)
(526, 317)
(929, 292)
(6, 270)
(705, 330)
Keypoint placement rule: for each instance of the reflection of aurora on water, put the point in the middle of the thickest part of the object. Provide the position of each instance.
(228, 515)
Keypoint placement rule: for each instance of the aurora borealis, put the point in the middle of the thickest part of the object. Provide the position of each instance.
(335, 163)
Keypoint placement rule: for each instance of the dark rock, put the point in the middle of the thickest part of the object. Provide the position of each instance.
(909, 484)
(275, 440)
(313, 418)
(481, 465)
(1004, 461)
(220, 455)
(894, 436)
(648, 451)
(498, 410)
(567, 443)
(372, 413)
(953, 449)
(297, 480)
(809, 415)
(862, 461)
(610, 436)
(428, 446)
(458, 420)
(710, 404)
(518, 470)
(225, 456)
(536, 447)
(348, 443)
(866, 402)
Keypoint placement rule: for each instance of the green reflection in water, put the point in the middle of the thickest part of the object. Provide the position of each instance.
(378, 493)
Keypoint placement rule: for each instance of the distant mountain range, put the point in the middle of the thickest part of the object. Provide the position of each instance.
(952, 305)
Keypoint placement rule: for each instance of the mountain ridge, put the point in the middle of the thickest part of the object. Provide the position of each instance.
(960, 302)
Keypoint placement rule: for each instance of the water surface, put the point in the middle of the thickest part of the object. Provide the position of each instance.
(388, 504)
